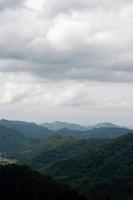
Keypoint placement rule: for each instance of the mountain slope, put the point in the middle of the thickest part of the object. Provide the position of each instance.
(100, 133)
(30, 130)
(13, 143)
(107, 165)
(49, 144)
(62, 149)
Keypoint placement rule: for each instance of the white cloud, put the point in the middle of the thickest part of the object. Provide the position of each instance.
(87, 40)
(64, 49)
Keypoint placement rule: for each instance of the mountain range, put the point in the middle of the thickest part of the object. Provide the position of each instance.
(18, 137)
(57, 125)
(28, 129)
(36, 131)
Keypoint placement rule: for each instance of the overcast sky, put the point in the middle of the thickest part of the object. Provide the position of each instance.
(68, 60)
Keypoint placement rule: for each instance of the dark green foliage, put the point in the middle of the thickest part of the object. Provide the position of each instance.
(117, 188)
(52, 142)
(65, 147)
(106, 165)
(49, 144)
(22, 183)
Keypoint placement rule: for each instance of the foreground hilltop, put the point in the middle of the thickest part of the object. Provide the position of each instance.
(22, 183)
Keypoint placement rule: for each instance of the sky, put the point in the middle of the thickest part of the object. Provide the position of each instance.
(68, 60)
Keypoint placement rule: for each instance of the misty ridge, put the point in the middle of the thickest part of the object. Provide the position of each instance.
(101, 154)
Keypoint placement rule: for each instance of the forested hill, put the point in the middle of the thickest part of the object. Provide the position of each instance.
(105, 171)
(22, 183)
(13, 143)
(28, 129)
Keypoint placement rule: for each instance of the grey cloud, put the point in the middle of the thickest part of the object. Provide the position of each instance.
(4, 4)
(83, 45)
(54, 7)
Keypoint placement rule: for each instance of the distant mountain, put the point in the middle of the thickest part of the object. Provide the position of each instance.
(100, 133)
(28, 129)
(105, 172)
(33, 130)
(13, 143)
(22, 183)
(106, 125)
(57, 125)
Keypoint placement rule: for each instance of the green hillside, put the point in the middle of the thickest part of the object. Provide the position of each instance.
(53, 142)
(28, 129)
(13, 143)
(107, 165)
(57, 148)
(101, 133)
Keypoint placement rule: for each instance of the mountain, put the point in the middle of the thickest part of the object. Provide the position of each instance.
(28, 129)
(100, 133)
(53, 141)
(106, 125)
(63, 148)
(104, 173)
(57, 125)
(13, 143)
(34, 157)
(33, 130)
(22, 183)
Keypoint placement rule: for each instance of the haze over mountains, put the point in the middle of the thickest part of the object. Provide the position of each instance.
(37, 131)
(57, 125)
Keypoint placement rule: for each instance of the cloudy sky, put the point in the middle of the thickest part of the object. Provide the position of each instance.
(69, 60)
